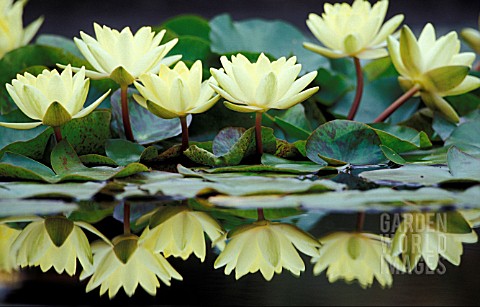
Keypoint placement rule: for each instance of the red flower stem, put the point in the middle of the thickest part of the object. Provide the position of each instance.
(126, 218)
(185, 143)
(258, 133)
(360, 221)
(397, 104)
(125, 113)
(58, 133)
(359, 90)
(261, 215)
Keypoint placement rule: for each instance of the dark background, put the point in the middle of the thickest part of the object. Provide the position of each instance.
(69, 17)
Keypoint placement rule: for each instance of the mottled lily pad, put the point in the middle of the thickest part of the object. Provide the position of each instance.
(66, 167)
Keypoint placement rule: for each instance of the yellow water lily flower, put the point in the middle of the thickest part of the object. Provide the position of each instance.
(433, 66)
(355, 30)
(267, 247)
(354, 256)
(419, 236)
(7, 237)
(53, 242)
(51, 98)
(175, 92)
(123, 56)
(12, 33)
(179, 231)
(258, 87)
(127, 262)
(472, 37)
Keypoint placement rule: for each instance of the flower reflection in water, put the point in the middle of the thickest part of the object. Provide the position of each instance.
(179, 231)
(127, 262)
(7, 237)
(51, 242)
(431, 235)
(130, 259)
(355, 256)
(266, 247)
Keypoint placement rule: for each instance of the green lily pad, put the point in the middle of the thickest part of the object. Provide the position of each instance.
(59, 41)
(77, 191)
(377, 96)
(293, 123)
(375, 200)
(465, 138)
(244, 147)
(345, 141)
(392, 155)
(463, 165)
(92, 212)
(30, 143)
(275, 37)
(191, 25)
(146, 127)
(123, 152)
(400, 138)
(87, 135)
(23, 207)
(333, 86)
(409, 174)
(66, 167)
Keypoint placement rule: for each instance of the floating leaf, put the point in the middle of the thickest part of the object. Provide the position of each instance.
(463, 165)
(22, 207)
(465, 137)
(377, 96)
(392, 155)
(191, 25)
(65, 163)
(345, 141)
(123, 152)
(244, 147)
(400, 138)
(376, 200)
(146, 127)
(77, 191)
(255, 35)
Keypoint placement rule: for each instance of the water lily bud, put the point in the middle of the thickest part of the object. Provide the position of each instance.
(433, 65)
(354, 31)
(123, 56)
(267, 247)
(261, 86)
(12, 33)
(472, 37)
(51, 98)
(175, 92)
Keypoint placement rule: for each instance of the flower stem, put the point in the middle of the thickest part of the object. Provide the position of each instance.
(261, 215)
(258, 133)
(359, 90)
(58, 133)
(125, 114)
(185, 143)
(397, 104)
(360, 221)
(126, 218)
